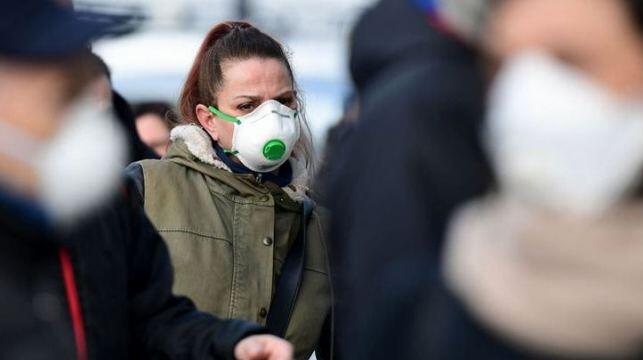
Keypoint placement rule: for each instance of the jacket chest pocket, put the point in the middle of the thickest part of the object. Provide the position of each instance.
(202, 269)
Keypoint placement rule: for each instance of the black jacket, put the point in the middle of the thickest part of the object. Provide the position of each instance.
(413, 157)
(123, 278)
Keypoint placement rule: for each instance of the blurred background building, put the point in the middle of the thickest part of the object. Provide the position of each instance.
(151, 63)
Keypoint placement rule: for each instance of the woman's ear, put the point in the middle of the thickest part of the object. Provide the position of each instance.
(207, 121)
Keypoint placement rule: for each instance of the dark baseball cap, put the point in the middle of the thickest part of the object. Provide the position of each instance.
(42, 29)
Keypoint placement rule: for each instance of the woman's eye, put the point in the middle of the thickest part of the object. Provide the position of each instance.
(246, 107)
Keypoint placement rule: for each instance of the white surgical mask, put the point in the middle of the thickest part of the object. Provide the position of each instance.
(79, 167)
(560, 140)
(263, 139)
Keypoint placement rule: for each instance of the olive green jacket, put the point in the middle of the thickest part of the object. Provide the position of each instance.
(228, 236)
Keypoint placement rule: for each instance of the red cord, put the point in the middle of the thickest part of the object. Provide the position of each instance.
(74, 303)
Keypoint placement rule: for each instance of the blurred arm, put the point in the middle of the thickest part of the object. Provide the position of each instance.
(164, 325)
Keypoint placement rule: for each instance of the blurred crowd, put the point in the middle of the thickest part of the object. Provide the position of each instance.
(481, 197)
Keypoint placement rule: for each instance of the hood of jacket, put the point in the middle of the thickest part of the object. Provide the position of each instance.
(192, 147)
(396, 33)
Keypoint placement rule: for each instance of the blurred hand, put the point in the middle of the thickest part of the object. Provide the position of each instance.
(263, 347)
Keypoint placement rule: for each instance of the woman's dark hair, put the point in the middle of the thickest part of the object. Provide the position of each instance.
(158, 108)
(232, 40)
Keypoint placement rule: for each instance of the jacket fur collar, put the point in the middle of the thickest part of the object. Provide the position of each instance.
(199, 144)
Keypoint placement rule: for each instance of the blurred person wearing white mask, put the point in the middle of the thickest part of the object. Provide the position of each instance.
(552, 261)
(83, 275)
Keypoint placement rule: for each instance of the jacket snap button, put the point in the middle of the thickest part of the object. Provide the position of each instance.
(267, 241)
(263, 312)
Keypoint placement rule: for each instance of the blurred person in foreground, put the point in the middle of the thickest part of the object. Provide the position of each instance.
(411, 159)
(83, 275)
(552, 262)
(153, 126)
(230, 197)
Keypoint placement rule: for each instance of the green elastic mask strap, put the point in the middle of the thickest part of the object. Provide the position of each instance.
(223, 115)
(231, 152)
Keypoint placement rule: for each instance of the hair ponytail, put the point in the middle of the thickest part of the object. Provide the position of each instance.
(194, 90)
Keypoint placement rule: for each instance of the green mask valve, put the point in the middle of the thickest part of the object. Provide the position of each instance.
(274, 150)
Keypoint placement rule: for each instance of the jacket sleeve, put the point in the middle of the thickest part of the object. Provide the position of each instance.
(163, 325)
(136, 183)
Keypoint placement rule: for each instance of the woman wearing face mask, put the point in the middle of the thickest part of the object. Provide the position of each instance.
(552, 261)
(230, 196)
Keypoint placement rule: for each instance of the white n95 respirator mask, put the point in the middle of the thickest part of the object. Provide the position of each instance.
(263, 139)
(80, 167)
(561, 140)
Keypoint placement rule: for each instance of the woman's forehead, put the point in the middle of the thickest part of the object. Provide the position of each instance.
(255, 76)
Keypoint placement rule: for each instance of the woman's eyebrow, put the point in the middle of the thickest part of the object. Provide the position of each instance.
(251, 97)
(258, 98)
(286, 93)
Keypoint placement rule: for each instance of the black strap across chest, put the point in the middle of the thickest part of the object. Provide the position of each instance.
(289, 280)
